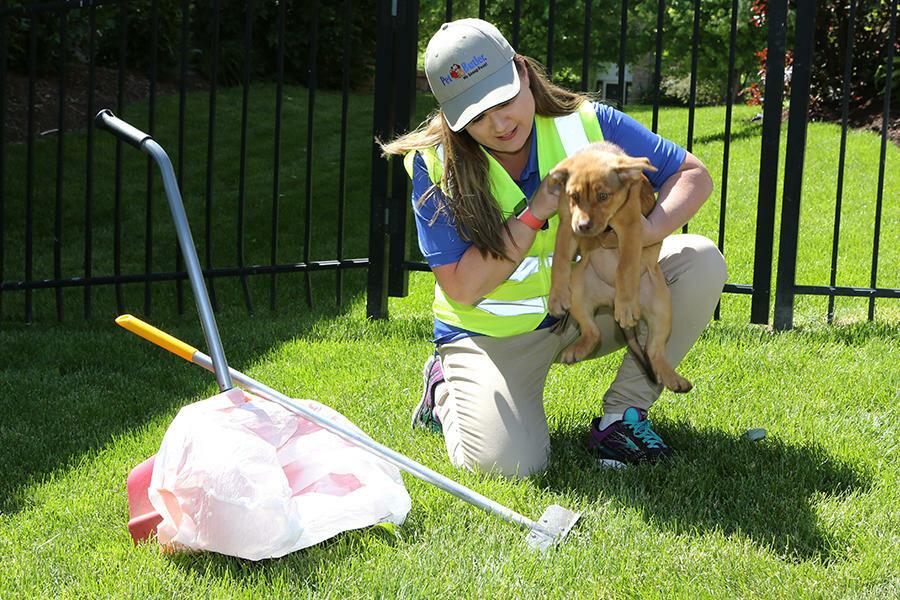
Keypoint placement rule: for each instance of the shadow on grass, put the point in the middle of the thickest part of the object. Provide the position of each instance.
(717, 482)
(306, 564)
(851, 334)
(743, 131)
(70, 389)
(858, 333)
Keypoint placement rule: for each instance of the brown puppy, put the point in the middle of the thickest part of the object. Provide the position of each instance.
(604, 195)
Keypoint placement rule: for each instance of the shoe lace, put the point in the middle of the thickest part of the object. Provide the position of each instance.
(644, 431)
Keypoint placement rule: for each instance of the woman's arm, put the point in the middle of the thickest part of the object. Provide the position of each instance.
(682, 189)
(680, 197)
(474, 275)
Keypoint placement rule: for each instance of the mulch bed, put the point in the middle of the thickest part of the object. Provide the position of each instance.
(867, 116)
(46, 98)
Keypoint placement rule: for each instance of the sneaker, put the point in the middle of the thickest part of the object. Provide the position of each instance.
(423, 414)
(630, 441)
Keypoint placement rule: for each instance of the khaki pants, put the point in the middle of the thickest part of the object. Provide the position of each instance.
(491, 404)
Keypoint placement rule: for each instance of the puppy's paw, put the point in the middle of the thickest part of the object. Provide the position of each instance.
(560, 301)
(568, 356)
(579, 350)
(675, 382)
(627, 312)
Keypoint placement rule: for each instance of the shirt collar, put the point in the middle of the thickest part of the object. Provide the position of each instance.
(531, 166)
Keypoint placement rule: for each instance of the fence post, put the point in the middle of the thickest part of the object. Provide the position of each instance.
(376, 289)
(793, 166)
(768, 163)
(892, 37)
(3, 42)
(407, 28)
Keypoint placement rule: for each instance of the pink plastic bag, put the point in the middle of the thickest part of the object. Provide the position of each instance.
(242, 476)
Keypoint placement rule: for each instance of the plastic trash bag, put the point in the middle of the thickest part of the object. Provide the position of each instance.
(243, 476)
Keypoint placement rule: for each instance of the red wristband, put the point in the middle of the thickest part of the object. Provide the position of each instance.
(527, 217)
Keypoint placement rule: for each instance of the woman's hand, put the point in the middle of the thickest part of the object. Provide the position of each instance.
(476, 274)
(680, 197)
(545, 201)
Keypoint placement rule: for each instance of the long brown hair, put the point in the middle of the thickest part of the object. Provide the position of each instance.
(473, 209)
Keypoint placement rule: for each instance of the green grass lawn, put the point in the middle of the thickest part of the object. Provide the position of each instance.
(811, 511)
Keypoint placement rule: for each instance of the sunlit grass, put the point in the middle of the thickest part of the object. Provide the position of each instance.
(808, 512)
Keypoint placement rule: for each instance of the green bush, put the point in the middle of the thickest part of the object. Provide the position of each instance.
(871, 43)
(870, 50)
(139, 28)
(330, 41)
(232, 19)
(677, 90)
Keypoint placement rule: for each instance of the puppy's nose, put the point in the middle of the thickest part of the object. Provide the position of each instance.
(585, 226)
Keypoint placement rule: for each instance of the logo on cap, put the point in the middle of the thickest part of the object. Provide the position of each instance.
(465, 69)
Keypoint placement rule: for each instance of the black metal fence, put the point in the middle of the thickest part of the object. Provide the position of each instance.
(384, 191)
(404, 19)
(21, 215)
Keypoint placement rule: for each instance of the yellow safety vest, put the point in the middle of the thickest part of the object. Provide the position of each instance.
(519, 304)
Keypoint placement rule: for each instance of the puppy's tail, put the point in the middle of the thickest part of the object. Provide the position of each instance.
(638, 352)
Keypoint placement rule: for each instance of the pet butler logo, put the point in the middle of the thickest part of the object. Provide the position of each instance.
(465, 69)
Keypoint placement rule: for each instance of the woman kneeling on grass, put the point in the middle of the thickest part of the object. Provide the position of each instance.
(485, 216)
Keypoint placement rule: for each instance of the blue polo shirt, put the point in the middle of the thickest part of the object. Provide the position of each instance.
(440, 243)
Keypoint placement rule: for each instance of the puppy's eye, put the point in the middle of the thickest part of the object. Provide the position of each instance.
(602, 197)
(575, 197)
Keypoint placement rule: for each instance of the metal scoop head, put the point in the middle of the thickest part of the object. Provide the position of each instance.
(553, 526)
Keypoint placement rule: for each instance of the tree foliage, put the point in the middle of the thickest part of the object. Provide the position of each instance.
(871, 43)
(138, 15)
(603, 45)
(870, 51)
(533, 31)
(568, 44)
(713, 44)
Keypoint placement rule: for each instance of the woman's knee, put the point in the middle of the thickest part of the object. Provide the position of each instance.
(513, 463)
(703, 263)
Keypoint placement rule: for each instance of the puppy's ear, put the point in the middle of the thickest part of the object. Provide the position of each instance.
(559, 176)
(648, 198)
(556, 181)
(630, 168)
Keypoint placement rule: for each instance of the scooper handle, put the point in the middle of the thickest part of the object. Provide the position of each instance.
(105, 119)
(157, 336)
(126, 132)
(555, 522)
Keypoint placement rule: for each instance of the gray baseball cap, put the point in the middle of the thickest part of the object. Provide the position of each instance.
(470, 68)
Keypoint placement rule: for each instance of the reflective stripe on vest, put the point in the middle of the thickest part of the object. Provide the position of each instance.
(571, 133)
(519, 304)
(528, 267)
(509, 308)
